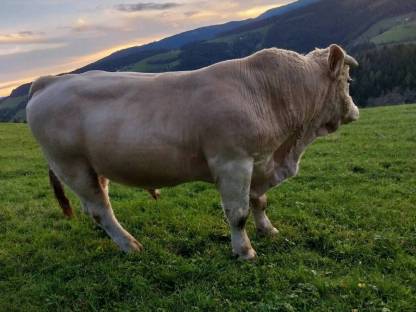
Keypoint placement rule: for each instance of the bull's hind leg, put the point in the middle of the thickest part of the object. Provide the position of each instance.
(155, 193)
(263, 224)
(233, 181)
(93, 193)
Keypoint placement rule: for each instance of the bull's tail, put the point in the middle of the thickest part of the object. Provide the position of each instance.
(40, 84)
(60, 194)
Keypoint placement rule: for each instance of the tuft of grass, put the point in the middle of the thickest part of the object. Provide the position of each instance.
(347, 235)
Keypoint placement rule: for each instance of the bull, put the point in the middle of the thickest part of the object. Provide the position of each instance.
(242, 124)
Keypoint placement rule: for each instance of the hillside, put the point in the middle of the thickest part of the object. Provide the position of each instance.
(362, 26)
(347, 238)
(129, 56)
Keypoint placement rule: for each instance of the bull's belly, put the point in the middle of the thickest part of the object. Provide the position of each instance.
(154, 170)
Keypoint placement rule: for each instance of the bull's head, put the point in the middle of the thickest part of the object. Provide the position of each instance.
(343, 109)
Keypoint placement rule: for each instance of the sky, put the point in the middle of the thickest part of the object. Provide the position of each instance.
(40, 37)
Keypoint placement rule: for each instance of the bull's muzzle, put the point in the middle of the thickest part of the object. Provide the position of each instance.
(352, 115)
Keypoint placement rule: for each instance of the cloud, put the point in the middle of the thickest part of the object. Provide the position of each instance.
(256, 10)
(190, 13)
(25, 67)
(68, 34)
(82, 25)
(26, 33)
(7, 88)
(27, 41)
(146, 6)
(93, 28)
(22, 37)
(7, 49)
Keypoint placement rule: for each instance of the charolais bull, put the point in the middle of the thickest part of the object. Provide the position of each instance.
(242, 124)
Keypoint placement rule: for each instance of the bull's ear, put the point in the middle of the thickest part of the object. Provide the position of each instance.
(336, 60)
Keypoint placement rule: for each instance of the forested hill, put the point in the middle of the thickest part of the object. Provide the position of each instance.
(381, 34)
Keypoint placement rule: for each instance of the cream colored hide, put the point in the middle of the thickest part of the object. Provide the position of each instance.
(242, 124)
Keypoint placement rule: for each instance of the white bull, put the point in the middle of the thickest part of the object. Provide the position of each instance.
(241, 124)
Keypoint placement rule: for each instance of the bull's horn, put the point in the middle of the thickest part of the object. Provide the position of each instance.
(349, 60)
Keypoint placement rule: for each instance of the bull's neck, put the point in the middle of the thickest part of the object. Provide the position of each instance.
(289, 93)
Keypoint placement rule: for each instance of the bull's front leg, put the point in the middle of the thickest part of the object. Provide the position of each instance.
(263, 225)
(233, 179)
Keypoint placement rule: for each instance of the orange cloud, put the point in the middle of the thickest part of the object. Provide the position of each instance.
(23, 37)
(7, 88)
(72, 64)
(256, 11)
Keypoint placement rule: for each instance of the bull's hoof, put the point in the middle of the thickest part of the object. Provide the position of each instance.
(131, 245)
(272, 231)
(247, 255)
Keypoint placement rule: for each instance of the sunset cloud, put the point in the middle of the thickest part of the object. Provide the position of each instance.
(147, 6)
(7, 88)
(190, 13)
(26, 41)
(82, 26)
(21, 37)
(59, 36)
(255, 11)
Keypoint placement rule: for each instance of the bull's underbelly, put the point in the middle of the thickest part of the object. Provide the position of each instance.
(170, 166)
(153, 170)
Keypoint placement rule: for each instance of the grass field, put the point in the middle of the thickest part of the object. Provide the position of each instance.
(347, 237)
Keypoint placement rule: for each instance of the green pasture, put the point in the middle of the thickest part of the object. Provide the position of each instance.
(347, 237)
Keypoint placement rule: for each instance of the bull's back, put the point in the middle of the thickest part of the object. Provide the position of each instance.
(131, 129)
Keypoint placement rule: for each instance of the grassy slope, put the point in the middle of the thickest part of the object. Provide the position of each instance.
(261, 32)
(9, 108)
(398, 29)
(11, 102)
(398, 34)
(347, 241)
(157, 63)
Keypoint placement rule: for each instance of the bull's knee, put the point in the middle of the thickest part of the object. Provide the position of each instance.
(263, 225)
(259, 203)
(233, 180)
